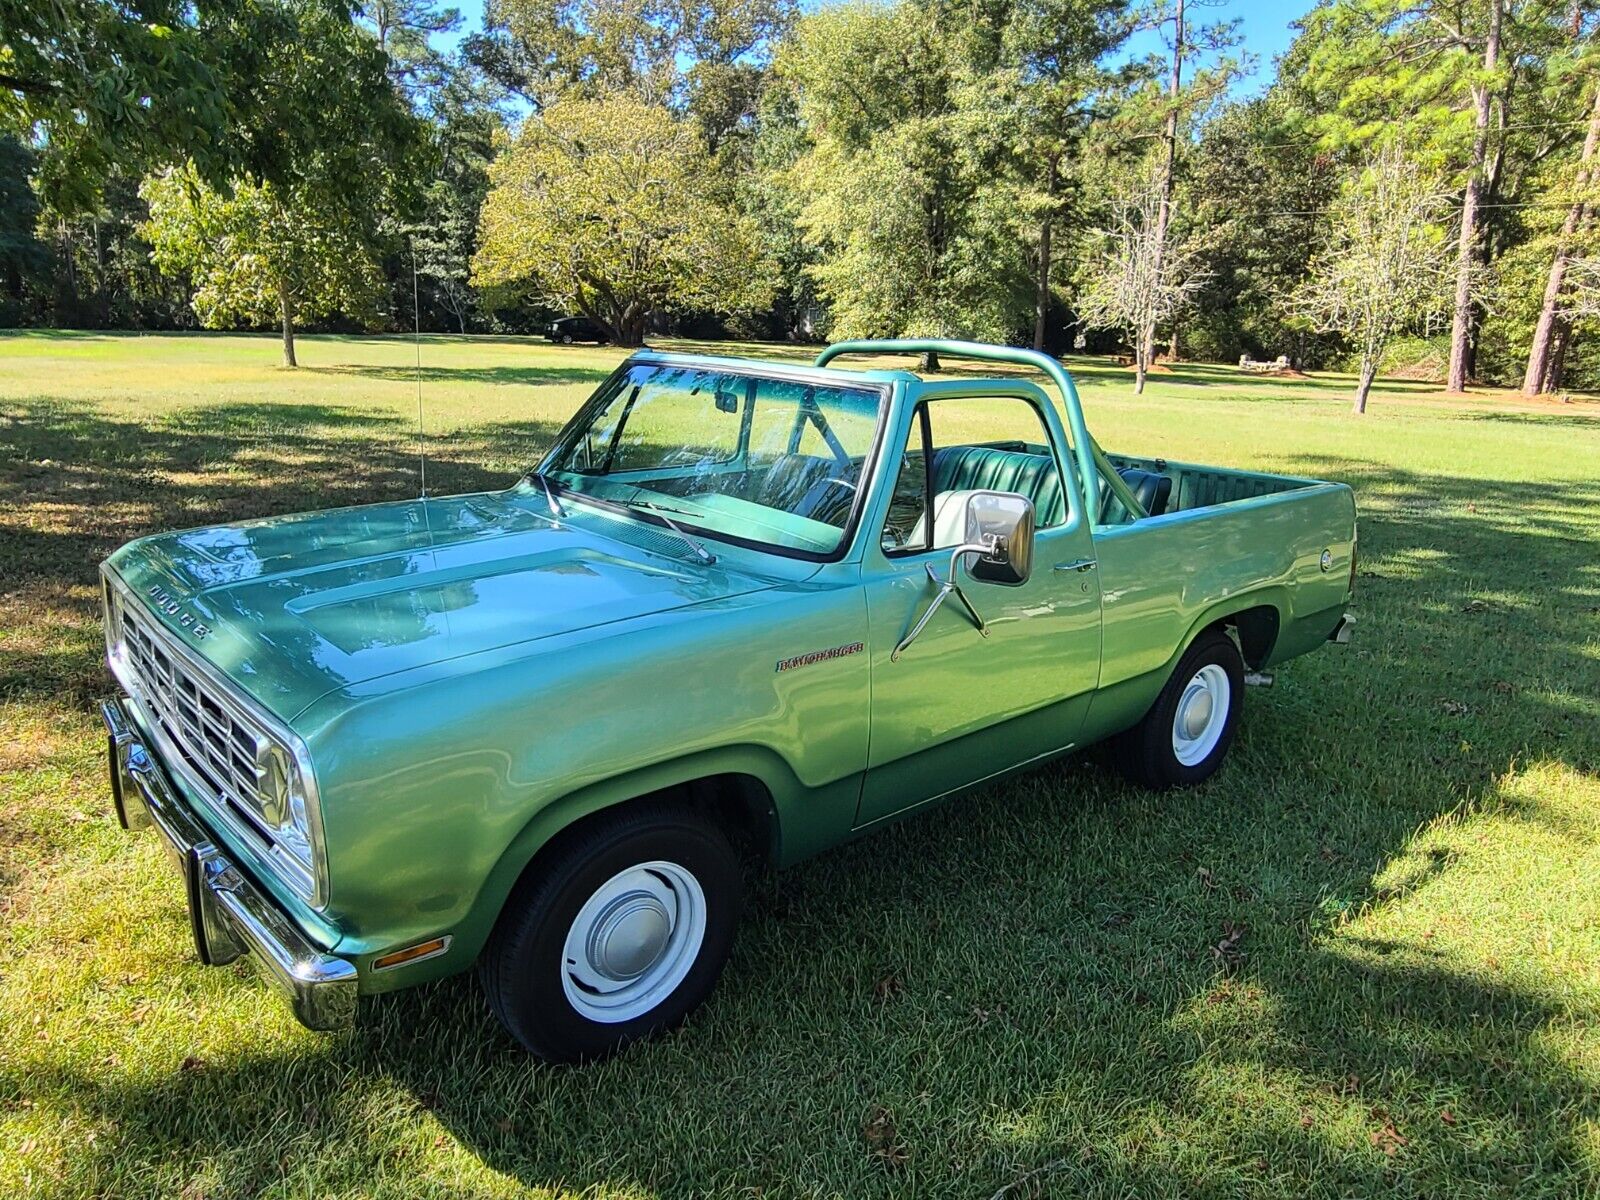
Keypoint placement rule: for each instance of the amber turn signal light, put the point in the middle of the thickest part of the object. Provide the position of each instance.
(411, 953)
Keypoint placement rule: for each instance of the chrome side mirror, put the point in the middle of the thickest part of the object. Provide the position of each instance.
(998, 547)
(1002, 524)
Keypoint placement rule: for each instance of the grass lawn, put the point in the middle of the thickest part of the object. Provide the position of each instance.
(1364, 959)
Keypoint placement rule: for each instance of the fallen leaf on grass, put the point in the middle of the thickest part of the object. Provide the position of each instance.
(1227, 952)
(889, 985)
(1448, 1117)
(1388, 1139)
(882, 1138)
(191, 1064)
(1454, 707)
(1476, 606)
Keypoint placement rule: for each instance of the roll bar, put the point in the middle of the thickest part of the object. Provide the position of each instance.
(1092, 461)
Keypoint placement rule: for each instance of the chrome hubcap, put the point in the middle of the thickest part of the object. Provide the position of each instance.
(1201, 715)
(633, 942)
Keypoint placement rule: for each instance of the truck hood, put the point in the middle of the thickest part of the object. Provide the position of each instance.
(292, 608)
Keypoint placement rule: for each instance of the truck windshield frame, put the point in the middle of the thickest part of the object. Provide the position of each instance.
(776, 460)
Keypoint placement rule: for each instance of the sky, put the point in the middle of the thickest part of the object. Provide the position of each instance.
(1264, 27)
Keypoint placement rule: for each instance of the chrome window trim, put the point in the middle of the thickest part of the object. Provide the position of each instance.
(311, 885)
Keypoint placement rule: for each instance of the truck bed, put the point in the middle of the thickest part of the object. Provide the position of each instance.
(1195, 486)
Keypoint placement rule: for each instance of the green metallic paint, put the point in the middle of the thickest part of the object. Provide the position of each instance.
(473, 674)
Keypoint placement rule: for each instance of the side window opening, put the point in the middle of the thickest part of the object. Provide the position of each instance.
(958, 445)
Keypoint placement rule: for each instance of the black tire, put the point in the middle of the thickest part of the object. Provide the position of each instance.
(1146, 754)
(566, 339)
(524, 975)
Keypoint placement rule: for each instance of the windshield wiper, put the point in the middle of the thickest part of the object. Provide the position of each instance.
(662, 510)
(549, 495)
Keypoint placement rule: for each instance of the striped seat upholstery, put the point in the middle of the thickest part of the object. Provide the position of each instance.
(965, 468)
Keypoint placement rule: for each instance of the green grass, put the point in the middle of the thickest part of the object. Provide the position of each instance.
(1364, 959)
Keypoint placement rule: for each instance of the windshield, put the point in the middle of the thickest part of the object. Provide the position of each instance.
(775, 462)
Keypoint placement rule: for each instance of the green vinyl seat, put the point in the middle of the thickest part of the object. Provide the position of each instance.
(1036, 476)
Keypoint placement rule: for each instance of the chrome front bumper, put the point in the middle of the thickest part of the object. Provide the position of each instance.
(229, 914)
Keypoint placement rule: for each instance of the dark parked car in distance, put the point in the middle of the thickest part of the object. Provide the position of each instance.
(577, 329)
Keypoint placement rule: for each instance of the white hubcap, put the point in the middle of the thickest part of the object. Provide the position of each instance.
(1201, 714)
(633, 941)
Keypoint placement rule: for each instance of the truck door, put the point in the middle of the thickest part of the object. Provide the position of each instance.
(956, 707)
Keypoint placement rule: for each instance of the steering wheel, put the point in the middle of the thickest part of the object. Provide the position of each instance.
(812, 500)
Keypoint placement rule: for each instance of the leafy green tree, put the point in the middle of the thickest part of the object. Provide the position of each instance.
(445, 237)
(298, 241)
(1043, 89)
(602, 205)
(102, 83)
(260, 253)
(1385, 266)
(663, 51)
(1254, 195)
(896, 183)
(405, 30)
(1456, 82)
(22, 255)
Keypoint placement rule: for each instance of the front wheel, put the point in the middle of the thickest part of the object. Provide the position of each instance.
(1184, 737)
(617, 935)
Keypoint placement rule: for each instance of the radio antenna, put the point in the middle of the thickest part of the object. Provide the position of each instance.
(416, 326)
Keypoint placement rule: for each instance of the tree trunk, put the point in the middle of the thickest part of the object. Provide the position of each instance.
(286, 306)
(1041, 295)
(1556, 370)
(1369, 370)
(1534, 378)
(1172, 344)
(1141, 362)
(929, 362)
(1466, 251)
(1164, 213)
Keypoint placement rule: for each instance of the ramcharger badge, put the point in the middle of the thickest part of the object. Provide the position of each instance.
(816, 656)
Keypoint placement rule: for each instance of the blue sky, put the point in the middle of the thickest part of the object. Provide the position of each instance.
(1264, 25)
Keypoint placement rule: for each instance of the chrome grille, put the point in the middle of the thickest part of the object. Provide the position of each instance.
(215, 745)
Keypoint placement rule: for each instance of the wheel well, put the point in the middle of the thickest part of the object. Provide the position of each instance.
(1256, 630)
(740, 805)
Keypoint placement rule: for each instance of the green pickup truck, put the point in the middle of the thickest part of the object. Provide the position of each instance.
(739, 613)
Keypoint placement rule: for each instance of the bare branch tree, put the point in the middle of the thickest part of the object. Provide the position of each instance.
(1583, 295)
(1138, 279)
(1386, 268)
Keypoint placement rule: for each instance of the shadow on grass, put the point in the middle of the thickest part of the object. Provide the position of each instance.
(1038, 979)
(99, 482)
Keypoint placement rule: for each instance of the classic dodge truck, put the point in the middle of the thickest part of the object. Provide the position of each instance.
(739, 611)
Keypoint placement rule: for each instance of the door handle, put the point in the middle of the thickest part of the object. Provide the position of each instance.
(1079, 564)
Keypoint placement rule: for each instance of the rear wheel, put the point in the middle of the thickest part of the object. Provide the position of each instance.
(616, 935)
(1184, 737)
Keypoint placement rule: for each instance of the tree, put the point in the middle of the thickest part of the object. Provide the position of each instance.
(662, 51)
(1187, 43)
(466, 125)
(404, 30)
(1257, 190)
(97, 83)
(898, 179)
(1439, 76)
(1048, 80)
(1386, 264)
(1549, 332)
(601, 205)
(1136, 280)
(260, 253)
